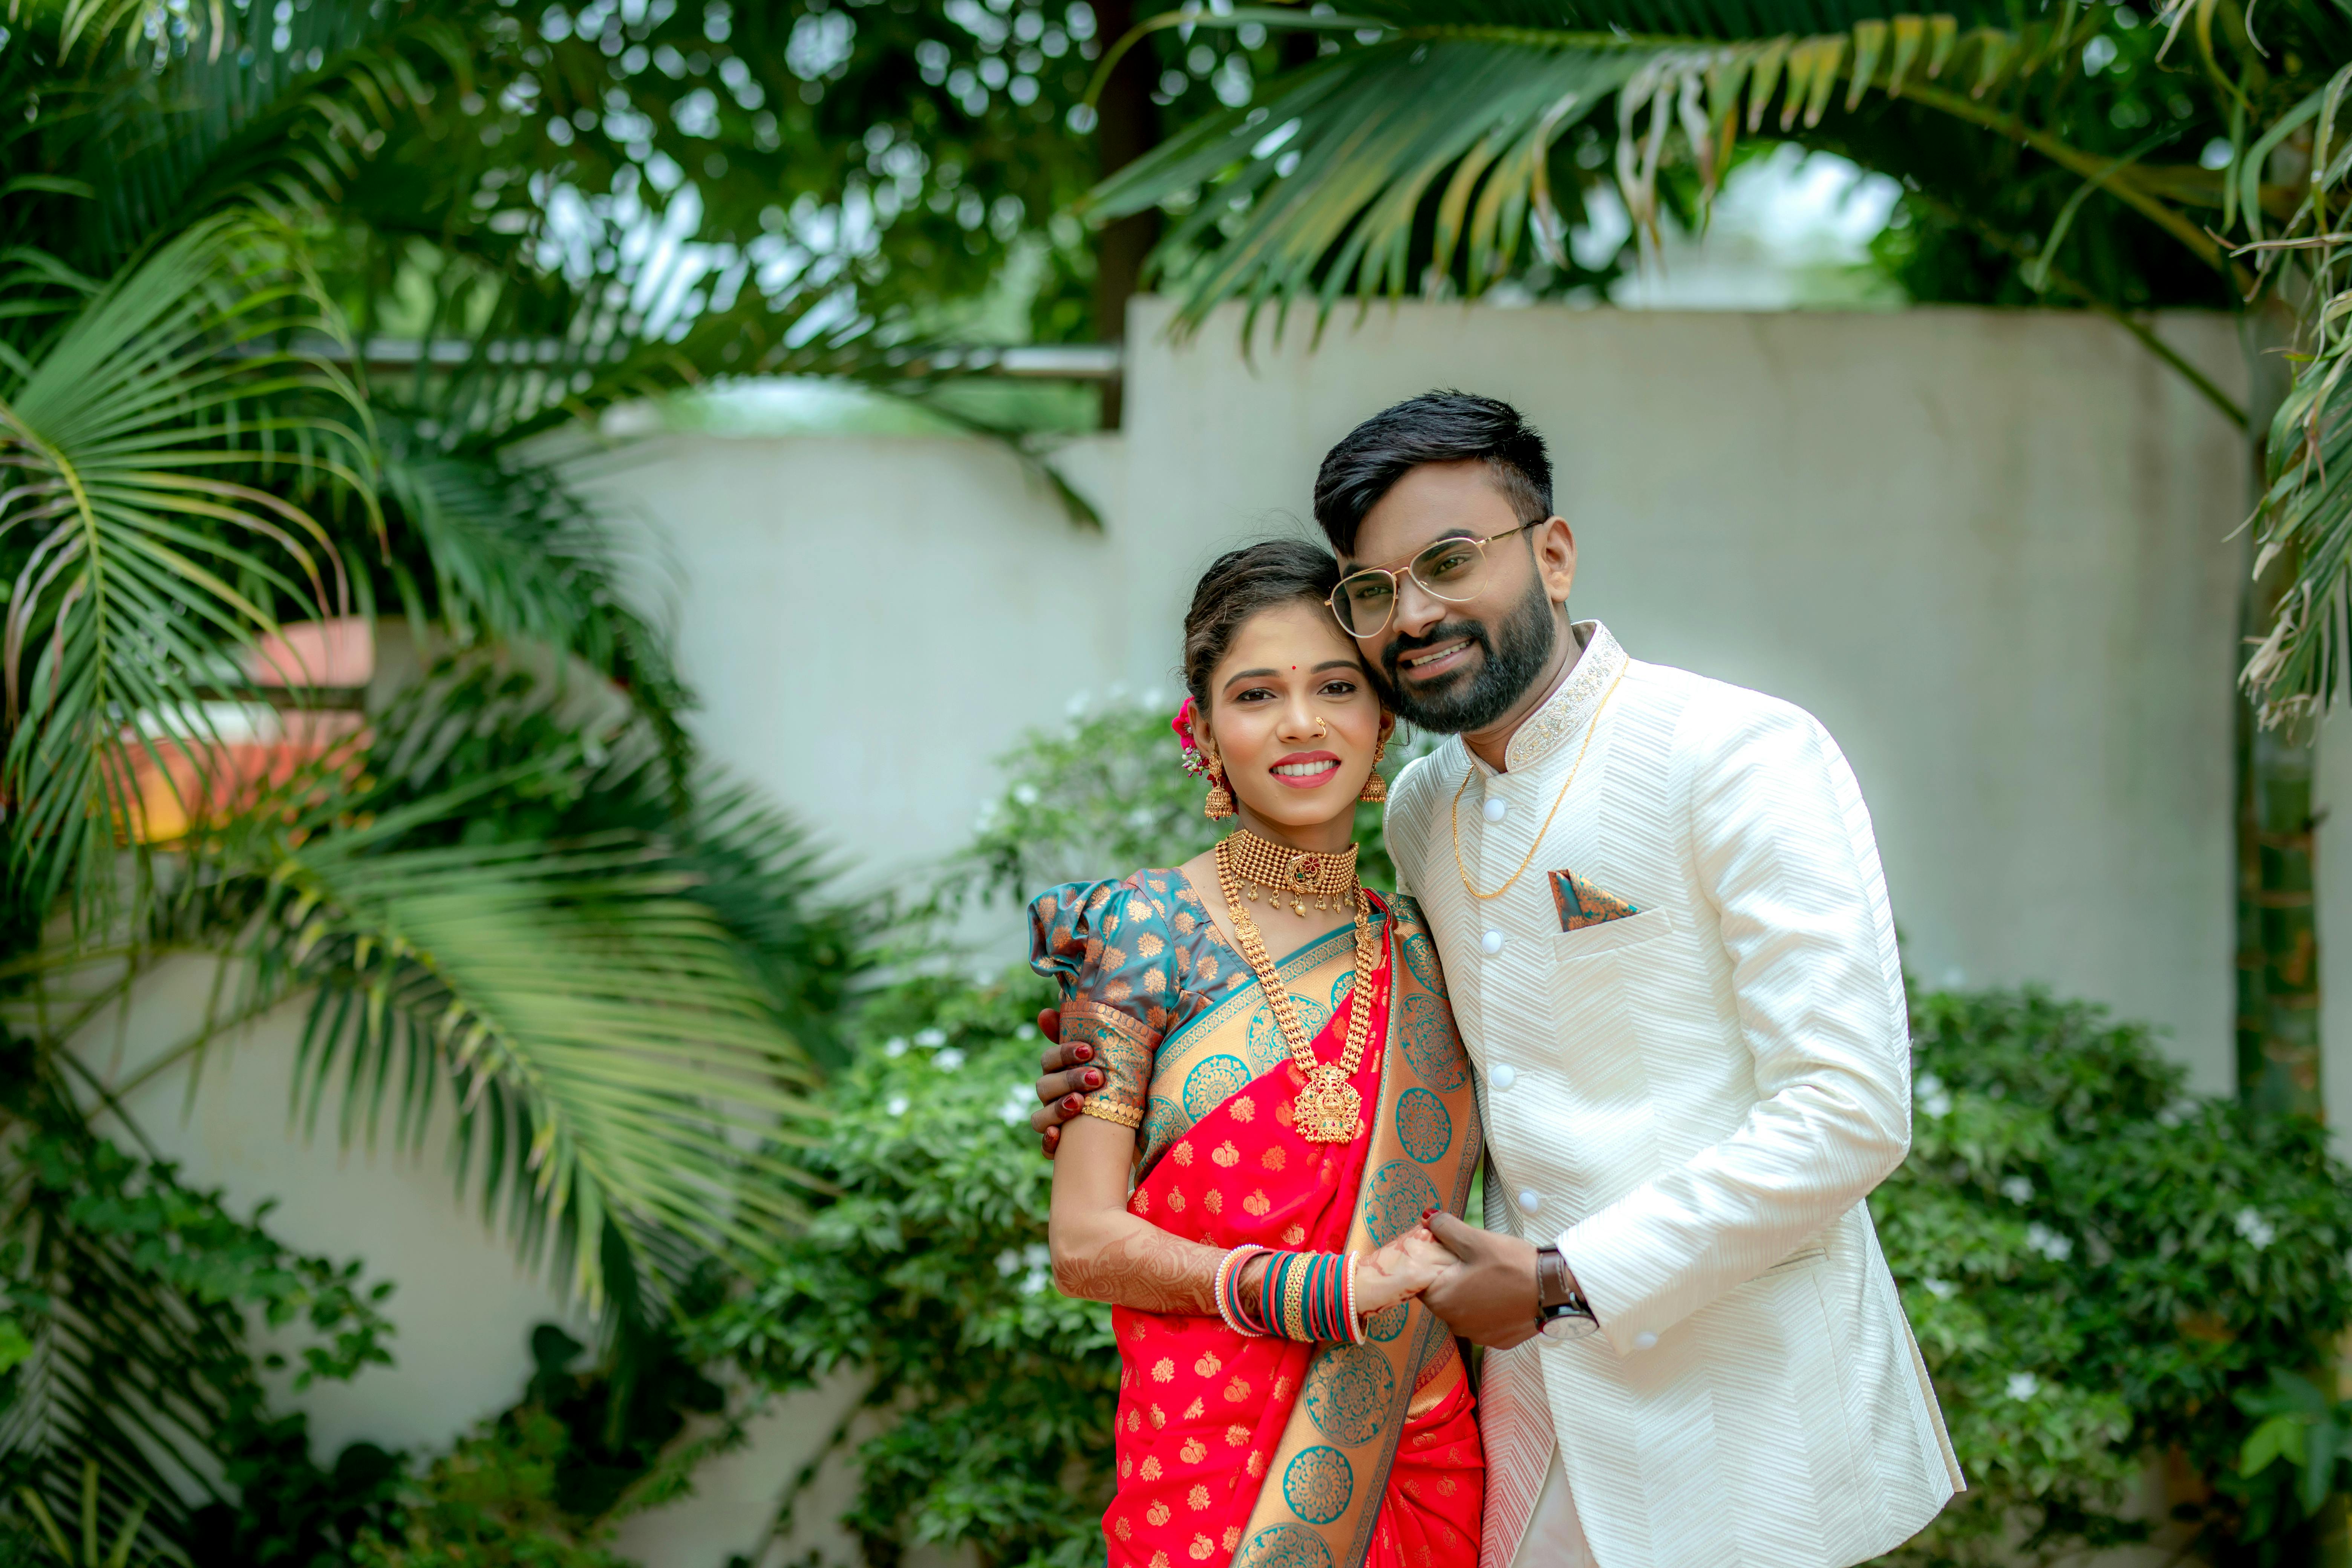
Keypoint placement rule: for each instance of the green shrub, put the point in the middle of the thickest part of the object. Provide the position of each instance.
(2098, 1266)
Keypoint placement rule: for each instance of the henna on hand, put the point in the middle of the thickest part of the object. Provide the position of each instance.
(1147, 1269)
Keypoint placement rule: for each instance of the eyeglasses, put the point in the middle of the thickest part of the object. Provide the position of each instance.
(1449, 570)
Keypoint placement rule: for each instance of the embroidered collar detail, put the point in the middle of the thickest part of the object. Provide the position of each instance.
(1551, 726)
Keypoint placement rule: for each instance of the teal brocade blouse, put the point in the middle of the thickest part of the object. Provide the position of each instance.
(1144, 947)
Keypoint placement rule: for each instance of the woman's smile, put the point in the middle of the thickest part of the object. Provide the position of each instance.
(1307, 770)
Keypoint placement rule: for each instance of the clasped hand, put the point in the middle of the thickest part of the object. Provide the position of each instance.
(1481, 1284)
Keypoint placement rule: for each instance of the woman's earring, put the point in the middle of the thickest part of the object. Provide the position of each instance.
(1376, 788)
(1220, 804)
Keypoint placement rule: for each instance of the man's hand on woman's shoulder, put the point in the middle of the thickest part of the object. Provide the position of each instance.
(1067, 1080)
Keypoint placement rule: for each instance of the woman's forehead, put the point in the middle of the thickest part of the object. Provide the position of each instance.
(1282, 635)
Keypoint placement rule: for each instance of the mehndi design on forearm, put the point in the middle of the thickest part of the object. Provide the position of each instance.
(1148, 1271)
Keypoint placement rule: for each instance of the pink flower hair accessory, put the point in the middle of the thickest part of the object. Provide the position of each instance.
(1190, 753)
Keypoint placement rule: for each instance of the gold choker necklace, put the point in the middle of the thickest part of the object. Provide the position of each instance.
(1290, 876)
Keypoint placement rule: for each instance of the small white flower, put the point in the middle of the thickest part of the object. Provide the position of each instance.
(1037, 1254)
(1025, 1031)
(930, 1038)
(1007, 1262)
(898, 1105)
(1026, 794)
(1942, 1290)
(2023, 1385)
(2017, 1189)
(2049, 1243)
(896, 1046)
(1033, 1282)
(1926, 1084)
(948, 1060)
(1937, 1105)
(2259, 1232)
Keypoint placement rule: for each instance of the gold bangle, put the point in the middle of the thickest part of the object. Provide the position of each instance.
(1126, 1116)
(1295, 1298)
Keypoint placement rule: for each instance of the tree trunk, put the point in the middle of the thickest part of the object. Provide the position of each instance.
(1128, 127)
(2278, 931)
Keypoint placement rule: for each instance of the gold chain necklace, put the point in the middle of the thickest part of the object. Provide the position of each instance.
(1329, 1109)
(1469, 887)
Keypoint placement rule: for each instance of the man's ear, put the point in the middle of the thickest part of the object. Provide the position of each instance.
(1555, 548)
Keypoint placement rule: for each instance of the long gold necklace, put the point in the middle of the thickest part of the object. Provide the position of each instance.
(1467, 885)
(1329, 1109)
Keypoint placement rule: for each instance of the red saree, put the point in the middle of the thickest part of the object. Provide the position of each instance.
(1262, 1451)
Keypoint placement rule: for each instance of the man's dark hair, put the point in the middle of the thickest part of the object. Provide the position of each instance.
(1435, 427)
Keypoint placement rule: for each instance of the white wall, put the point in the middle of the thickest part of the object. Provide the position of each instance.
(870, 620)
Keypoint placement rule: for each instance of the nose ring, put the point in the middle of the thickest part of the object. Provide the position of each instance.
(1321, 729)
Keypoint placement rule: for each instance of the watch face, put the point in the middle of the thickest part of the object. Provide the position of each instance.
(1569, 1326)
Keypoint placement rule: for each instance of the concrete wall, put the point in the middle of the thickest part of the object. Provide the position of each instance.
(1987, 549)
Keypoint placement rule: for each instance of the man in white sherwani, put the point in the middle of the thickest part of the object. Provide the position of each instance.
(1665, 933)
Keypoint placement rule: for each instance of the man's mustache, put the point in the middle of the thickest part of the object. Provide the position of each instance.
(1406, 644)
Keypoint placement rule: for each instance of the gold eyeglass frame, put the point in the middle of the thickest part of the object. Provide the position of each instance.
(1394, 574)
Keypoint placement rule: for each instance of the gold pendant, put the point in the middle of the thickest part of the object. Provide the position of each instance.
(1329, 1109)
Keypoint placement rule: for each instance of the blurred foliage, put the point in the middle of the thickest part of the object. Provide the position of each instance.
(2101, 1269)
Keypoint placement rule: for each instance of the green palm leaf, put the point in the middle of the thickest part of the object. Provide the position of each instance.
(1434, 141)
(639, 1074)
(143, 550)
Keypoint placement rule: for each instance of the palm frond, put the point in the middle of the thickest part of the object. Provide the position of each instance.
(1418, 161)
(2299, 669)
(613, 1057)
(143, 553)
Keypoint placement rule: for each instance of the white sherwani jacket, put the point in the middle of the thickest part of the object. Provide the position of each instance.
(1692, 1101)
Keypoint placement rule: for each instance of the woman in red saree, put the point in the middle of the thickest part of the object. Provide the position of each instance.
(1248, 1184)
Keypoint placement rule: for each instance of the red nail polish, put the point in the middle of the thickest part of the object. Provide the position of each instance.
(1071, 1103)
(1093, 1079)
(1084, 1053)
(1427, 1211)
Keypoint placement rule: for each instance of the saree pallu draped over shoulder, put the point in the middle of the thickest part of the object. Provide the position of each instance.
(1263, 1452)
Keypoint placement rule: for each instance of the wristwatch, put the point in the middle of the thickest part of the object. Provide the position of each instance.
(1561, 1311)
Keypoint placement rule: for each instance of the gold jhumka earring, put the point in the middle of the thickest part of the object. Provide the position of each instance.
(1220, 804)
(1376, 788)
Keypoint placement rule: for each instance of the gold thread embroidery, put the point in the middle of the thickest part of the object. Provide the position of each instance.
(1550, 725)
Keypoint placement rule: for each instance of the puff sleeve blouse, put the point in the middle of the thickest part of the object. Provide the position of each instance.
(1136, 961)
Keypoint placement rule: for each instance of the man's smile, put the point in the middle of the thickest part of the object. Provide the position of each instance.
(1433, 661)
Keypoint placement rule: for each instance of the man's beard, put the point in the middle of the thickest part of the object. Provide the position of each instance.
(1468, 700)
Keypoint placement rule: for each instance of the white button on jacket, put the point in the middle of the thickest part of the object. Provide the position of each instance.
(1492, 941)
(1502, 1075)
(1493, 809)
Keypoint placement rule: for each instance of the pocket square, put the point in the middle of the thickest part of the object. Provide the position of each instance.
(1582, 904)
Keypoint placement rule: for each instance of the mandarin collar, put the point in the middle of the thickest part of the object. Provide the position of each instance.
(1569, 708)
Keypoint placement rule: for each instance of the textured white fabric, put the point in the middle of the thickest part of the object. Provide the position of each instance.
(1554, 1537)
(1701, 1096)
